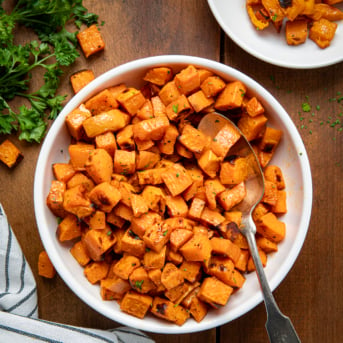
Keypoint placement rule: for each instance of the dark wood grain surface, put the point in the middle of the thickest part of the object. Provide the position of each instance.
(312, 293)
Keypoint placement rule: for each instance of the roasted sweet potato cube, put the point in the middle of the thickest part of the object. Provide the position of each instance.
(153, 129)
(234, 234)
(198, 309)
(136, 304)
(140, 281)
(221, 267)
(115, 220)
(97, 242)
(55, 198)
(254, 107)
(187, 80)
(45, 267)
(146, 160)
(234, 172)
(75, 201)
(80, 179)
(155, 276)
(260, 210)
(271, 227)
(116, 286)
(80, 79)
(233, 196)
(167, 310)
(296, 31)
(212, 85)
(196, 208)
(156, 236)
(159, 75)
(274, 174)
(167, 143)
(74, 122)
(105, 196)
(270, 140)
(234, 216)
(211, 217)
(106, 141)
(197, 249)
(151, 176)
(169, 93)
(213, 188)
(231, 96)
(69, 228)
(225, 247)
(281, 203)
(179, 237)
(145, 111)
(177, 293)
(214, 291)
(112, 120)
(123, 212)
(198, 182)
(119, 234)
(193, 139)
(79, 252)
(209, 162)
(125, 139)
(252, 127)
(177, 206)
(224, 140)
(153, 259)
(99, 166)
(191, 270)
(158, 107)
(174, 257)
(176, 179)
(79, 154)
(131, 100)
(242, 262)
(270, 195)
(182, 151)
(104, 101)
(138, 205)
(96, 271)
(179, 223)
(199, 101)
(178, 107)
(237, 279)
(266, 245)
(140, 224)
(132, 244)
(171, 276)
(63, 171)
(124, 162)
(91, 40)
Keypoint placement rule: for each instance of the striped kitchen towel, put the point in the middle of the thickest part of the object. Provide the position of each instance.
(18, 304)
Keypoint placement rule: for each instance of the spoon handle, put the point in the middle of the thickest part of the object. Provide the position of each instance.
(279, 327)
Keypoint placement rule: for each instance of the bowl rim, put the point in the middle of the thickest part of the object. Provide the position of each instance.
(100, 83)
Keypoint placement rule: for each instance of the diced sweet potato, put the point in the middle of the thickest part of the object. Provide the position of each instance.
(131, 100)
(106, 141)
(169, 93)
(171, 276)
(225, 247)
(45, 267)
(211, 217)
(322, 32)
(179, 237)
(199, 101)
(76, 202)
(96, 271)
(115, 287)
(167, 143)
(104, 101)
(271, 227)
(177, 207)
(266, 245)
(63, 171)
(197, 249)
(220, 267)
(263, 257)
(209, 162)
(153, 129)
(176, 179)
(159, 75)
(79, 154)
(124, 162)
(296, 31)
(274, 174)
(280, 206)
(74, 122)
(140, 281)
(231, 96)
(132, 244)
(251, 127)
(158, 107)
(91, 40)
(234, 172)
(254, 107)
(214, 291)
(270, 195)
(79, 252)
(69, 228)
(178, 108)
(193, 139)
(55, 198)
(80, 179)
(156, 236)
(153, 259)
(191, 270)
(136, 304)
(187, 80)
(212, 85)
(146, 160)
(232, 197)
(105, 196)
(99, 165)
(80, 79)
(196, 208)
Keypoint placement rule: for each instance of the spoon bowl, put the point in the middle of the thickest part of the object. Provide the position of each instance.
(279, 327)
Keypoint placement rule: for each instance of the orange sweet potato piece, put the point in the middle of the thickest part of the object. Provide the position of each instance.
(214, 291)
(151, 176)
(266, 245)
(193, 139)
(224, 140)
(213, 188)
(74, 122)
(75, 201)
(79, 252)
(177, 207)
(176, 179)
(274, 174)
(159, 75)
(251, 127)
(322, 32)
(270, 195)
(281, 203)
(209, 162)
(254, 107)
(326, 11)
(79, 154)
(225, 247)
(136, 304)
(171, 276)
(80, 79)
(211, 217)
(124, 162)
(296, 31)
(232, 197)
(114, 288)
(140, 281)
(112, 120)
(197, 249)
(178, 108)
(105, 196)
(234, 171)
(169, 93)
(69, 228)
(191, 270)
(99, 166)
(167, 143)
(179, 237)
(63, 171)
(271, 227)
(242, 262)
(153, 259)
(263, 257)
(156, 236)
(131, 100)
(158, 107)
(146, 160)
(55, 198)
(132, 244)
(231, 96)
(91, 40)
(104, 101)
(96, 271)
(198, 309)
(196, 208)
(220, 267)
(199, 101)
(106, 141)
(153, 129)
(80, 179)
(45, 267)
(212, 85)
(187, 80)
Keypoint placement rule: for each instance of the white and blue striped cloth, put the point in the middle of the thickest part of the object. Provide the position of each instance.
(19, 321)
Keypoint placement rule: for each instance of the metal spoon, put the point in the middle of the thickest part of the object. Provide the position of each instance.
(279, 327)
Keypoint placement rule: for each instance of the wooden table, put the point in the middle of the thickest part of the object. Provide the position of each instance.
(311, 294)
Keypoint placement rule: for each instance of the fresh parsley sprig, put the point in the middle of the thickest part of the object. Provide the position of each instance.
(57, 48)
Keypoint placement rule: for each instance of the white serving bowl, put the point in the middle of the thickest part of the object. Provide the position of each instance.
(290, 156)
